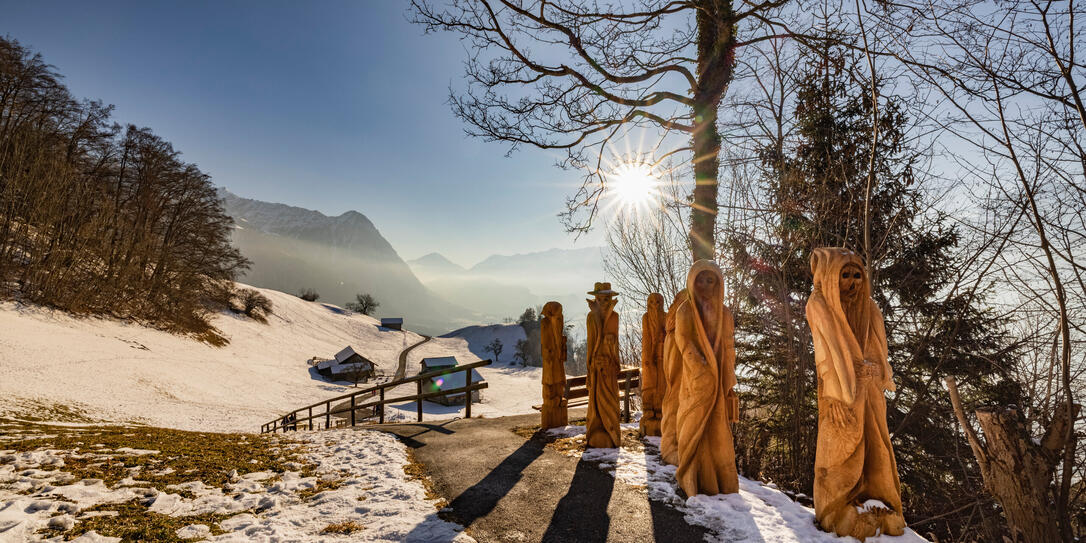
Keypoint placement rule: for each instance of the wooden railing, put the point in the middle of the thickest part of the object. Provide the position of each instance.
(576, 388)
(348, 406)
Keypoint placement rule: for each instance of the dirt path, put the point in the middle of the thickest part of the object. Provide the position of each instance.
(402, 369)
(503, 487)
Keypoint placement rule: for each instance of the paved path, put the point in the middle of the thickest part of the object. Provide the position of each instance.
(503, 487)
(402, 369)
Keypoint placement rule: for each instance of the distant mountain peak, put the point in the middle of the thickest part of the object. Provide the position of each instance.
(435, 260)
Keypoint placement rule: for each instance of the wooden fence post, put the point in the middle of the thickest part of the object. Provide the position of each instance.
(352, 410)
(381, 406)
(418, 400)
(467, 394)
(310, 419)
(626, 400)
(328, 414)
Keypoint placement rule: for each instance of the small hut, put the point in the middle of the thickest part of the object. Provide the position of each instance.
(348, 365)
(450, 381)
(392, 323)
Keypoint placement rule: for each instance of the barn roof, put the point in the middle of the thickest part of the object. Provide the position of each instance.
(392, 320)
(439, 362)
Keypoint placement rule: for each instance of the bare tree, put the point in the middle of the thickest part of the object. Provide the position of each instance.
(579, 76)
(365, 304)
(1008, 88)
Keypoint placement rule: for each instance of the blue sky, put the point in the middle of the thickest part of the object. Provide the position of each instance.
(328, 105)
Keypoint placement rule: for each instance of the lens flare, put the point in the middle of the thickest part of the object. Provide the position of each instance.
(634, 184)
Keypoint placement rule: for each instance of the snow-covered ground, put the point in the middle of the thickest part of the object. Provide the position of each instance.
(511, 389)
(125, 372)
(758, 513)
(369, 490)
(478, 338)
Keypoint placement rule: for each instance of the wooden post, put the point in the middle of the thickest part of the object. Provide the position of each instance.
(352, 410)
(626, 400)
(467, 395)
(328, 414)
(310, 419)
(381, 406)
(419, 399)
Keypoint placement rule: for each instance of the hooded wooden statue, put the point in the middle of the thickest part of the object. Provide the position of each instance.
(602, 422)
(553, 348)
(705, 343)
(855, 468)
(652, 354)
(673, 374)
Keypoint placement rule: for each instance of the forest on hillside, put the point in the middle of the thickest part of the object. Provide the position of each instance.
(100, 218)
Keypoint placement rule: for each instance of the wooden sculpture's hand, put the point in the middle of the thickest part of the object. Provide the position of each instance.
(839, 413)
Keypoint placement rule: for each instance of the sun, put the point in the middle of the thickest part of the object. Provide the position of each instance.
(633, 184)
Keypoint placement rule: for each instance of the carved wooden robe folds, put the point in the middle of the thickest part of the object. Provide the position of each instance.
(553, 347)
(602, 422)
(856, 486)
(673, 373)
(652, 354)
(705, 348)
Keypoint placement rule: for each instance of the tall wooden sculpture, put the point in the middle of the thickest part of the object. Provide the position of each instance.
(856, 486)
(602, 424)
(705, 347)
(673, 374)
(652, 354)
(553, 347)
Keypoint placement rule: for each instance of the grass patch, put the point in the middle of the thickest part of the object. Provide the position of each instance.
(39, 411)
(203, 456)
(343, 528)
(416, 471)
(134, 522)
(322, 485)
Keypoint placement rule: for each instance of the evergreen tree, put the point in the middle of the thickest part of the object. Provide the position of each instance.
(817, 186)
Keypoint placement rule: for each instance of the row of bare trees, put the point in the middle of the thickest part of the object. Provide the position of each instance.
(99, 219)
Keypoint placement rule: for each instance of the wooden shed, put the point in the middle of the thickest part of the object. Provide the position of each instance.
(348, 365)
(392, 323)
(449, 381)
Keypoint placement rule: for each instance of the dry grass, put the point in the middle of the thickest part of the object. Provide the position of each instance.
(343, 528)
(133, 522)
(322, 485)
(416, 471)
(94, 452)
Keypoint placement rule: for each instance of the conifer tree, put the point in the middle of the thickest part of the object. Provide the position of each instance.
(817, 186)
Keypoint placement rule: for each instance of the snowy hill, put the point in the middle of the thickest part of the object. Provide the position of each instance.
(478, 337)
(120, 371)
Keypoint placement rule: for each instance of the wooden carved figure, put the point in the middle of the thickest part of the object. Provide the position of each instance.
(553, 347)
(602, 422)
(652, 354)
(856, 486)
(673, 373)
(705, 347)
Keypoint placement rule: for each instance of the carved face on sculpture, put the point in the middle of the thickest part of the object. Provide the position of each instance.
(705, 285)
(656, 302)
(850, 283)
(552, 309)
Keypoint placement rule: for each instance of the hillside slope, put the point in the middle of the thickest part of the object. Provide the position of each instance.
(126, 372)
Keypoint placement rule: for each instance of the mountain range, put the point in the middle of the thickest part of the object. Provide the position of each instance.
(294, 249)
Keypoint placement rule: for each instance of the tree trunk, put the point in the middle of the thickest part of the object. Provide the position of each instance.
(716, 60)
(1017, 470)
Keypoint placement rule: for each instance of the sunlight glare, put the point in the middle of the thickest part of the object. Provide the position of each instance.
(634, 184)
